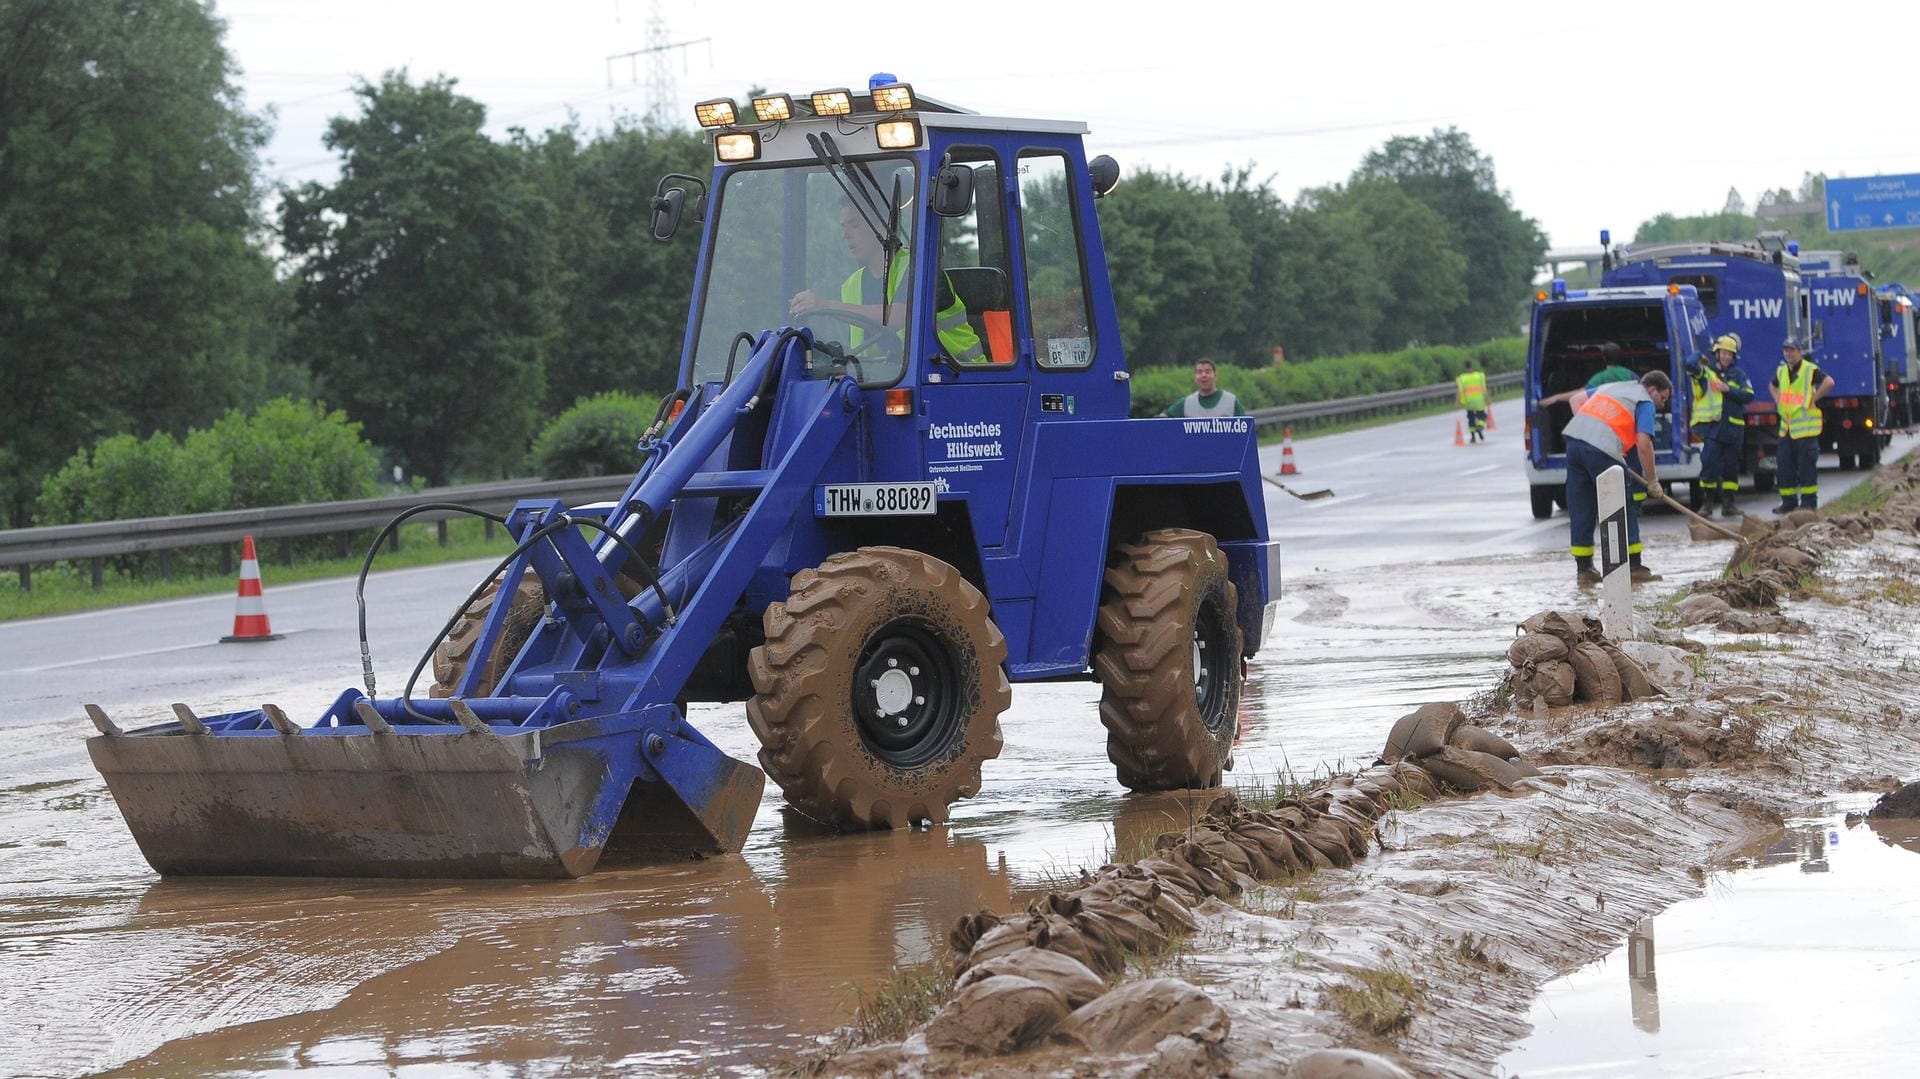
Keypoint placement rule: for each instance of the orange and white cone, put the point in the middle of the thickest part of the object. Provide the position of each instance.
(1459, 434)
(250, 608)
(1490, 424)
(1287, 467)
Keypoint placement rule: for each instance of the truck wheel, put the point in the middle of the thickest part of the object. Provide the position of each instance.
(879, 691)
(1542, 502)
(1166, 649)
(451, 657)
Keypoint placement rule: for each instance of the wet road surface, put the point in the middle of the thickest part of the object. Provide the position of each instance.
(1404, 588)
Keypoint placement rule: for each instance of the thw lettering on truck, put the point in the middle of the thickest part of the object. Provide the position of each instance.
(1767, 308)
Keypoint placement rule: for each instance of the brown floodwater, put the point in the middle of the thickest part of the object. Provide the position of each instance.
(1802, 960)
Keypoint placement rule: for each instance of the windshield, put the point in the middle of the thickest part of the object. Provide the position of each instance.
(793, 248)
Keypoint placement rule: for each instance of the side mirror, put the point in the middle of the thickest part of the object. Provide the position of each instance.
(670, 203)
(952, 191)
(1104, 171)
(668, 206)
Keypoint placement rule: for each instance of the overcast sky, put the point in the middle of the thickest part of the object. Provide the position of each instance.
(1596, 115)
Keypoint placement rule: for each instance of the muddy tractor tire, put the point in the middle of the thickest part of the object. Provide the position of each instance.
(879, 689)
(1167, 653)
(451, 658)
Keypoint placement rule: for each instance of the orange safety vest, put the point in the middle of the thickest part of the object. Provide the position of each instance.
(1799, 416)
(1616, 414)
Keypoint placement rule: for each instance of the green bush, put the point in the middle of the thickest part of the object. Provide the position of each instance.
(286, 453)
(1331, 377)
(596, 437)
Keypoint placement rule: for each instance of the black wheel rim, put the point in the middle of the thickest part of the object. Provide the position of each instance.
(1212, 667)
(907, 694)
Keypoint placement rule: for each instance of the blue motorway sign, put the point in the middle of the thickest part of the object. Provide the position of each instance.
(1873, 202)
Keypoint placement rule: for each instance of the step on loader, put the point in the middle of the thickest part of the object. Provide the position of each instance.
(899, 475)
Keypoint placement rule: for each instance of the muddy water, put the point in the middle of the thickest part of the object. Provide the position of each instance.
(1802, 960)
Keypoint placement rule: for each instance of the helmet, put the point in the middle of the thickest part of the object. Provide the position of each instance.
(1728, 341)
(1798, 344)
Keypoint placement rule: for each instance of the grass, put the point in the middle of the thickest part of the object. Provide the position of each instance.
(1868, 494)
(1381, 1002)
(901, 1004)
(69, 588)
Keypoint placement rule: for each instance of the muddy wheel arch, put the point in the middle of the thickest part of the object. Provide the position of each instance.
(879, 689)
(452, 656)
(1167, 654)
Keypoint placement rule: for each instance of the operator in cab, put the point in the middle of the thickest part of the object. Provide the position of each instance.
(1615, 417)
(863, 295)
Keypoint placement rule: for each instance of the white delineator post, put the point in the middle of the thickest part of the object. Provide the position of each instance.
(1616, 580)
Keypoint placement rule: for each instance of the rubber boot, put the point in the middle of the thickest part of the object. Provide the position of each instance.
(1809, 502)
(1727, 508)
(1783, 509)
(1639, 572)
(1583, 571)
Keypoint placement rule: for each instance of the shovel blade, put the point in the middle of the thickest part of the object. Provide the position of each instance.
(535, 803)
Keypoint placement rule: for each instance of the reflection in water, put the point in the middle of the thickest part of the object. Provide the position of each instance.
(1804, 960)
(1643, 990)
(709, 963)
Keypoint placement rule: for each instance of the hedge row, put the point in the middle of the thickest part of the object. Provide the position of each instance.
(1330, 378)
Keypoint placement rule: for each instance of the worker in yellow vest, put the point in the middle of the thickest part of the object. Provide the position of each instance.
(864, 295)
(1798, 386)
(1720, 395)
(1470, 392)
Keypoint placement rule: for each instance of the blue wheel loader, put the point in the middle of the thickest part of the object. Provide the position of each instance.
(897, 476)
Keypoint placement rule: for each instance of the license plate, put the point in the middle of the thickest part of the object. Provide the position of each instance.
(874, 500)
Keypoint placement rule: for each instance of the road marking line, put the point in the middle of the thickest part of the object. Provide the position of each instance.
(1482, 468)
(111, 659)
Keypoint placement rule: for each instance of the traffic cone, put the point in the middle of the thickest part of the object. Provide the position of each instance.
(1459, 434)
(250, 609)
(1490, 424)
(1287, 467)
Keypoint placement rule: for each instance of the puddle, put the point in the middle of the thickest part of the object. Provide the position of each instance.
(1802, 960)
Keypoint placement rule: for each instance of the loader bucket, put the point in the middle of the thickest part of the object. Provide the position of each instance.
(425, 800)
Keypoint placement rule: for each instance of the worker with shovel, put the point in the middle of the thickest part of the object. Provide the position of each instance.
(1614, 417)
(1720, 395)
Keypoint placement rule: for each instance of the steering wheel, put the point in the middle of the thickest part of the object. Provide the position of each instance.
(876, 334)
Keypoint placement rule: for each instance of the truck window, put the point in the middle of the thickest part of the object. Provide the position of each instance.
(1056, 275)
(973, 254)
(1707, 285)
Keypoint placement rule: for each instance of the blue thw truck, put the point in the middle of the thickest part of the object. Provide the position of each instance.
(1898, 351)
(1845, 330)
(1749, 289)
(1575, 333)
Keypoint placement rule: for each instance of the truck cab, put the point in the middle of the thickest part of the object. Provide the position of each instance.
(1750, 289)
(1572, 335)
(1844, 326)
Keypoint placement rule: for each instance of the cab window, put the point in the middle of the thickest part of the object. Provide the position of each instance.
(1056, 274)
(973, 255)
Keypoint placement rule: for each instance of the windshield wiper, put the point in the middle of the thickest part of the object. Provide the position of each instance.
(864, 192)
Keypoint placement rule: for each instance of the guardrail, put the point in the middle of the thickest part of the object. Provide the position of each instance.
(96, 541)
(1373, 404)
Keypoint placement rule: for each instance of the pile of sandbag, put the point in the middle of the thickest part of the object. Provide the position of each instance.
(1041, 974)
(1768, 565)
(1466, 758)
(1562, 658)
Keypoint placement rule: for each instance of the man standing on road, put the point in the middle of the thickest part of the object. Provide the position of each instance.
(1798, 387)
(1720, 395)
(1207, 398)
(1470, 393)
(1614, 418)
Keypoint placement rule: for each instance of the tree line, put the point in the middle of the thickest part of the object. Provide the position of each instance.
(451, 293)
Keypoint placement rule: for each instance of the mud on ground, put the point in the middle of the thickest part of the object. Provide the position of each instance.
(1427, 953)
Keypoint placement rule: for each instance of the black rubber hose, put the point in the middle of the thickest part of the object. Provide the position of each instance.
(366, 566)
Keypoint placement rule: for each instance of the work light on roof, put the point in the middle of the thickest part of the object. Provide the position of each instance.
(897, 134)
(720, 112)
(773, 108)
(893, 98)
(737, 146)
(832, 102)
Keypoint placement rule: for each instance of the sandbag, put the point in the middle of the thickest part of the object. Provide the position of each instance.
(1468, 736)
(1135, 1017)
(1422, 731)
(1634, 684)
(1064, 974)
(1595, 680)
(1532, 648)
(1470, 770)
(1345, 1064)
(1571, 628)
(996, 1015)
